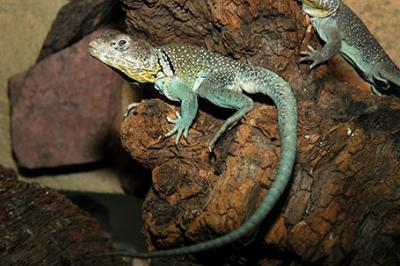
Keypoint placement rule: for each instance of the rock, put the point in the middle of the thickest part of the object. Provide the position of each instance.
(65, 110)
(42, 227)
(77, 19)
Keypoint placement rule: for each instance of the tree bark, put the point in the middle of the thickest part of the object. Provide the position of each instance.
(342, 206)
(39, 226)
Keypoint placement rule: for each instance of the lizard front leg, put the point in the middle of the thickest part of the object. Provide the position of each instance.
(332, 46)
(176, 90)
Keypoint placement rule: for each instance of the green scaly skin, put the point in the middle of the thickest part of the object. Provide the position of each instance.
(343, 32)
(183, 73)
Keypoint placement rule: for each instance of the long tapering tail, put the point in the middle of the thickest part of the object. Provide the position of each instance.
(255, 80)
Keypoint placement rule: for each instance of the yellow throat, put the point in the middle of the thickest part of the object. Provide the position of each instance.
(147, 75)
(314, 10)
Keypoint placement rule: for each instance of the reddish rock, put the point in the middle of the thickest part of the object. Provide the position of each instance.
(77, 19)
(65, 110)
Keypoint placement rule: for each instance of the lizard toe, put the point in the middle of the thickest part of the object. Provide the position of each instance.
(171, 132)
(130, 109)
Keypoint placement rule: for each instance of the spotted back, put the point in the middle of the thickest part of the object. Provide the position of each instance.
(189, 61)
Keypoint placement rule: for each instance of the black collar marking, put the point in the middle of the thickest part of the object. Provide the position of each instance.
(165, 63)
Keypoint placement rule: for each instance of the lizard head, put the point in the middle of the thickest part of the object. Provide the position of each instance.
(135, 58)
(320, 8)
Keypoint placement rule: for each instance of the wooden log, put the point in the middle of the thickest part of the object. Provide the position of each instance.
(342, 205)
(40, 226)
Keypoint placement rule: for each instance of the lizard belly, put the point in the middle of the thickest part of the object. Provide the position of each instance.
(355, 58)
(350, 53)
(320, 25)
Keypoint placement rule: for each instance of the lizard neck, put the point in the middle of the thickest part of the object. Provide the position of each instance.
(148, 75)
(163, 68)
(165, 64)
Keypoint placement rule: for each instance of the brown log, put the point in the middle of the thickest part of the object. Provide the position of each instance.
(342, 206)
(40, 226)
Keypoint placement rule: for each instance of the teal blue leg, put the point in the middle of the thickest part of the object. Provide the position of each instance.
(379, 82)
(176, 90)
(223, 95)
(329, 50)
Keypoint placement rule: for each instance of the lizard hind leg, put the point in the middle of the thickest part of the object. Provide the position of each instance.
(223, 95)
(386, 76)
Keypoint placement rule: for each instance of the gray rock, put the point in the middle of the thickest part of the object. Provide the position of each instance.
(77, 19)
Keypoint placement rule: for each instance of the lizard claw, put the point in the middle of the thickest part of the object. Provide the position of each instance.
(181, 128)
(130, 108)
(212, 145)
(312, 55)
(210, 149)
(375, 90)
(173, 121)
(311, 48)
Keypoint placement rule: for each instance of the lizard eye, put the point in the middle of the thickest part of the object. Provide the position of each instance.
(121, 45)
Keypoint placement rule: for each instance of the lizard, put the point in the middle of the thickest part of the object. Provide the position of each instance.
(185, 72)
(343, 32)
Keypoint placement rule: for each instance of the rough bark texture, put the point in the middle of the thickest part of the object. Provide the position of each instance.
(39, 226)
(342, 207)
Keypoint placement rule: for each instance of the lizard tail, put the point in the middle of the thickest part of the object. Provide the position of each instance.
(269, 83)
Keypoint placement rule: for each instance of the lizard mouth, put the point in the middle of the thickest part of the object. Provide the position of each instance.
(93, 51)
(97, 53)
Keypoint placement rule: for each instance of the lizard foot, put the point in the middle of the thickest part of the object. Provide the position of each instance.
(181, 128)
(130, 108)
(313, 55)
(376, 91)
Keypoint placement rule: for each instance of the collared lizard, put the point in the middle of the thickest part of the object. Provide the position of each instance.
(185, 72)
(343, 32)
